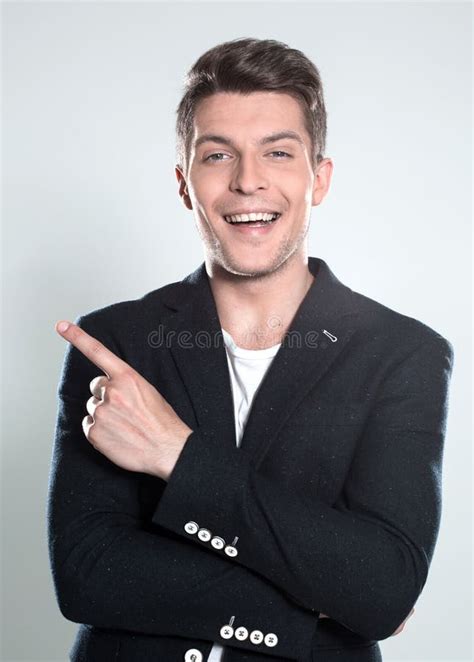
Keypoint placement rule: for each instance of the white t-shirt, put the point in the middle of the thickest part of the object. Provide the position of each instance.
(247, 367)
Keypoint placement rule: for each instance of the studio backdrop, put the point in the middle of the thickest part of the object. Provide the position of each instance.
(92, 216)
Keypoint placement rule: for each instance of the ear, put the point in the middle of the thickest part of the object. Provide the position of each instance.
(183, 188)
(322, 180)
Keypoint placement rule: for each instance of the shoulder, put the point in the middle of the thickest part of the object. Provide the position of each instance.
(382, 326)
(118, 322)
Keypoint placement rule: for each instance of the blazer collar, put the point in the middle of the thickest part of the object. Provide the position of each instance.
(321, 327)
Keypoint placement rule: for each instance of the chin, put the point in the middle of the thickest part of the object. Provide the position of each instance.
(248, 266)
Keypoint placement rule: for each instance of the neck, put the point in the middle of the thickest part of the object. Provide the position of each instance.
(259, 310)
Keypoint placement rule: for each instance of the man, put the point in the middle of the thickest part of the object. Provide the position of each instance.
(275, 495)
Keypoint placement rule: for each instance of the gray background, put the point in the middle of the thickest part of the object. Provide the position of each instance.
(92, 216)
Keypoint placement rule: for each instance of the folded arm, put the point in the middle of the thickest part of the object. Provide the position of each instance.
(363, 561)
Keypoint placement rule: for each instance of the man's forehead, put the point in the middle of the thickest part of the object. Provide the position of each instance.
(225, 139)
(268, 115)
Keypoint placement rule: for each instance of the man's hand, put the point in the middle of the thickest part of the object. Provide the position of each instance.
(397, 631)
(129, 421)
(402, 625)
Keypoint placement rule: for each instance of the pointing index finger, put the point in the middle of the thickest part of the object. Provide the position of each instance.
(92, 348)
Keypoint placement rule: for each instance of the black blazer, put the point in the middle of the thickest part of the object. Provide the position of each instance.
(332, 502)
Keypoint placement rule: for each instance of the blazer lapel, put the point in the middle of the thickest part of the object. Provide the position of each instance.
(321, 328)
(197, 346)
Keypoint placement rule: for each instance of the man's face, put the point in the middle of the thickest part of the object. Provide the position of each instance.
(238, 169)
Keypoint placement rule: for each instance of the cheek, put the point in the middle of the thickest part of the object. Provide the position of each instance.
(298, 188)
(207, 190)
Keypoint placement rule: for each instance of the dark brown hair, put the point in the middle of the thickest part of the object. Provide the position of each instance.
(248, 65)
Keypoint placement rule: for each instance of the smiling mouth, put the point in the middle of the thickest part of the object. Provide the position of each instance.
(252, 219)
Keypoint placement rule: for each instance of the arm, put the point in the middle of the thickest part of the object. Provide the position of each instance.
(365, 560)
(112, 569)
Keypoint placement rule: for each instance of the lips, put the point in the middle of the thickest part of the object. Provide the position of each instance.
(253, 228)
(258, 210)
(233, 219)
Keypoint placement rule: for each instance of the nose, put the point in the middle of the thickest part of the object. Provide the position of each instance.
(249, 175)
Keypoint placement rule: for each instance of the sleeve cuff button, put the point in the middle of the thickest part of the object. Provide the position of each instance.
(217, 542)
(204, 535)
(227, 632)
(241, 634)
(271, 640)
(256, 637)
(191, 527)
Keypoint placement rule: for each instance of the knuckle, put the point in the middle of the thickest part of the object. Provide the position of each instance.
(99, 413)
(96, 385)
(127, 373)
(86, 426)
(114, 395)
(96, 381)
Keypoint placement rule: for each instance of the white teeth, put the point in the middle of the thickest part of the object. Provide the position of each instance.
(245, 218)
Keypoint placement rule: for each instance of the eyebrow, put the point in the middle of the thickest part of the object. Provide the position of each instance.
(273, 137)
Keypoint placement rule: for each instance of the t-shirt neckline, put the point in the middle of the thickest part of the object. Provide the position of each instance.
(243, 353)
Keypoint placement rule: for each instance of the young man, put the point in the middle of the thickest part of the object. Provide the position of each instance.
(267, 481)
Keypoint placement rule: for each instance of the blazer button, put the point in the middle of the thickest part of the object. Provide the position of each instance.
(193, 655)
(227, 632)
(218, 543)
(241, 633)
(230, 551)
(192, 528)
(271, 639)
(204, 535)
(256, 637)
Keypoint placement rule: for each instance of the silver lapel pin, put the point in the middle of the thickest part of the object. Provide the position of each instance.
(329, 335)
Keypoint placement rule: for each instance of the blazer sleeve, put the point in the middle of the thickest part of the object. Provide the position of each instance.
(364, 560)
(112, 569)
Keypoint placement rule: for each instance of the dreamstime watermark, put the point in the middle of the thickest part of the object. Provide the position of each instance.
(185, 339)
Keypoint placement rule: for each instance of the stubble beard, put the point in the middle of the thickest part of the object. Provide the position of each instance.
(224, 258)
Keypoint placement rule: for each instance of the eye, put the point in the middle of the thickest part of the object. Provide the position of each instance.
(280, 152)
(211, 157)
